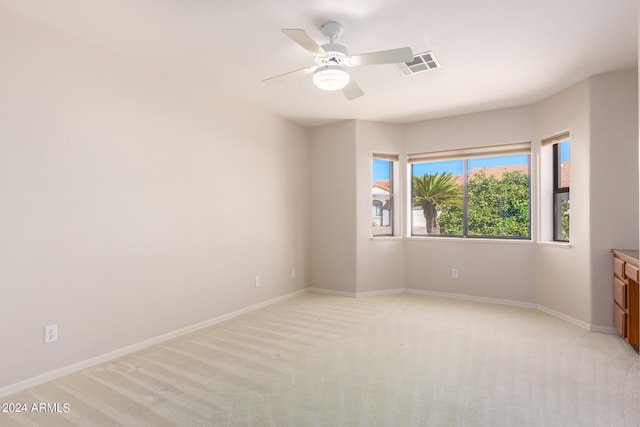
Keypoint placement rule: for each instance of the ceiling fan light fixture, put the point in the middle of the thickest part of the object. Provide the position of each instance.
(331, 77)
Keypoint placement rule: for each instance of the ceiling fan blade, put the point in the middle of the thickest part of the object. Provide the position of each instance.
(300, 37)
(352, 90)
(393, 56)
(290, 75)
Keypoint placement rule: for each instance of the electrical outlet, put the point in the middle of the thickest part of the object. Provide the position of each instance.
(50, 334)
(454, 273)
(257, 281)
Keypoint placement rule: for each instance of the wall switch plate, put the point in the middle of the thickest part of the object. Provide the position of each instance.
(50, 334)
(293, 273)
(257, 281)
(454, 273)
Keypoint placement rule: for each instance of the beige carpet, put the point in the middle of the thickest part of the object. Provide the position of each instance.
(397, 360)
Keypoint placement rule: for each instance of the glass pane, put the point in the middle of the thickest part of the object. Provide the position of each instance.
(437, 198)
(561, 220)
(564, 169)
(381, 198)
(498, 196)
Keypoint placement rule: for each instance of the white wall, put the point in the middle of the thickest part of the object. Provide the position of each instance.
(332, 237)
(380, 261)
(133, 203)
(343, 257)
(601, 115)
(563, 280)
(488, 269)
(613, 181)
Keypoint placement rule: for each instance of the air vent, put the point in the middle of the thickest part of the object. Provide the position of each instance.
(421, 62)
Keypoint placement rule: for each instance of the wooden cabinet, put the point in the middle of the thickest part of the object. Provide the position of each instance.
(626, 315)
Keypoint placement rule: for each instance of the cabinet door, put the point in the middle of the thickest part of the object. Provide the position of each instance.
(631, 271)
(618, 267)
(620, 292)
(620, 320)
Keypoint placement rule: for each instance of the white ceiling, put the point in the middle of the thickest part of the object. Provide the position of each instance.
(493, 53)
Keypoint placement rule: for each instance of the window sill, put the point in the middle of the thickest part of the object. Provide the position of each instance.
(562, 245)
(471, 239)
(386, 238)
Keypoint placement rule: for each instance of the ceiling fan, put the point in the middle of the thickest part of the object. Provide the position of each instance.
(333, 59)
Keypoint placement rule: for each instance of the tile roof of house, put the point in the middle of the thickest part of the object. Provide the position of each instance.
(565, 173)
(382, 184)
(498, 171)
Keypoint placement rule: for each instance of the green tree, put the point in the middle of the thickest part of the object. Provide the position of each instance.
(564, 209)
(451, 220)
(433, 192)
(496, 207)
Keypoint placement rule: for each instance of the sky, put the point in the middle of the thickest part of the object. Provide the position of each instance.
(380, 170)
(564, 151)
(455, 166)
(381, 167)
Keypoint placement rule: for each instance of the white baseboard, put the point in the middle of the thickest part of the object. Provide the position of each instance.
(610, 330)
(566, 318)
(356, 294)
(554, 313)
(332, 292)
(471, 298)
(378, 293)
(512, 303)
(57, 373)
(423, 292)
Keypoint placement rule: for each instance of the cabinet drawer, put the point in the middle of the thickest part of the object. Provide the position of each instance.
(631, 271)
(618, 267)
(620, 292)
(620, 320)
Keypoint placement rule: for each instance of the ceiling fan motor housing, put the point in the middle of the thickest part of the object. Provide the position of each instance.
(336, 55)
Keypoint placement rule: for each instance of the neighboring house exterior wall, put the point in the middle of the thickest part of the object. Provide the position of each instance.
(380, 196)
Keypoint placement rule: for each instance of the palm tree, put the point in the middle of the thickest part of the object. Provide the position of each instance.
(435, 191)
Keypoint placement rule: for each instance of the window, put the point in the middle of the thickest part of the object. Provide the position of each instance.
(481, 192)
(382, 206)
(561, 184)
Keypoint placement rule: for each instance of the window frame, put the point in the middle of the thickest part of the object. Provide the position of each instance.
(558, 190)
(465, 155)
(392, 159)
